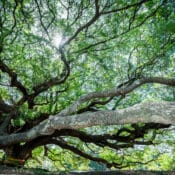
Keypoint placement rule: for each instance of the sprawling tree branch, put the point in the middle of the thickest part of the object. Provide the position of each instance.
(125, 7)
(58, 80)
(115, 141)
(58, 122)
(116, 92)
(91, 32)
(115, 36)
(147, 112)
(85, 155)
(14, 81)
(90, 22)
(98, 14)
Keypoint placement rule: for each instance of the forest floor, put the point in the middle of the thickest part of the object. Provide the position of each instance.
(22, 171)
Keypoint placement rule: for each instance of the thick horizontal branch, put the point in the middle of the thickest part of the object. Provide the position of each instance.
(116, 92)
(119, 141)
(147, 112)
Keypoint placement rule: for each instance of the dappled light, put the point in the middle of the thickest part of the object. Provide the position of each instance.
(87, 85)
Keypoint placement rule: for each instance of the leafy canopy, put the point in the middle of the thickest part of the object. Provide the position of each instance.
(53, 53)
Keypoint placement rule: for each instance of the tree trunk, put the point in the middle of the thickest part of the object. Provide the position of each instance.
(14, 156)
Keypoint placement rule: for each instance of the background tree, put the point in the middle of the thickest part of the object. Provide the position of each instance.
(69, 65)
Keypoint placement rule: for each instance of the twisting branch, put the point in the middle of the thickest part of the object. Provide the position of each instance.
(54, 81)
(28, 147)
(75, 150)
(125, 7)
(99, 140)
(93, 104)
(99, 13)
(131, 20)
(118, 91)
(90, 22)
(116, 138)
(50, 83)
(14, 81)
(40, 18)
(100, 102)
(147, 112)
(14, 20)
(130, 27)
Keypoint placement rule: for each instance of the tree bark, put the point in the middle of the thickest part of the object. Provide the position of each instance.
(146, 112)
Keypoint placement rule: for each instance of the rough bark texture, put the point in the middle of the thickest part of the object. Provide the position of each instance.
(117, 91)
(147, 112)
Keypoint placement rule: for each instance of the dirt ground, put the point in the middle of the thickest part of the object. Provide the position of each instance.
(19, 171)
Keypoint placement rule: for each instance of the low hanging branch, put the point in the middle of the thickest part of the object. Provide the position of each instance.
(146, 112)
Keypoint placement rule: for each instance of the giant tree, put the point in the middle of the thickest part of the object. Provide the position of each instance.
(68, 66)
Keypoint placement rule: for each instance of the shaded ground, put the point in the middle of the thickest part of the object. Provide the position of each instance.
(16, 171)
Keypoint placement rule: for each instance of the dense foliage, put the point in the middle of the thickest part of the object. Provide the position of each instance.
(54, 53)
